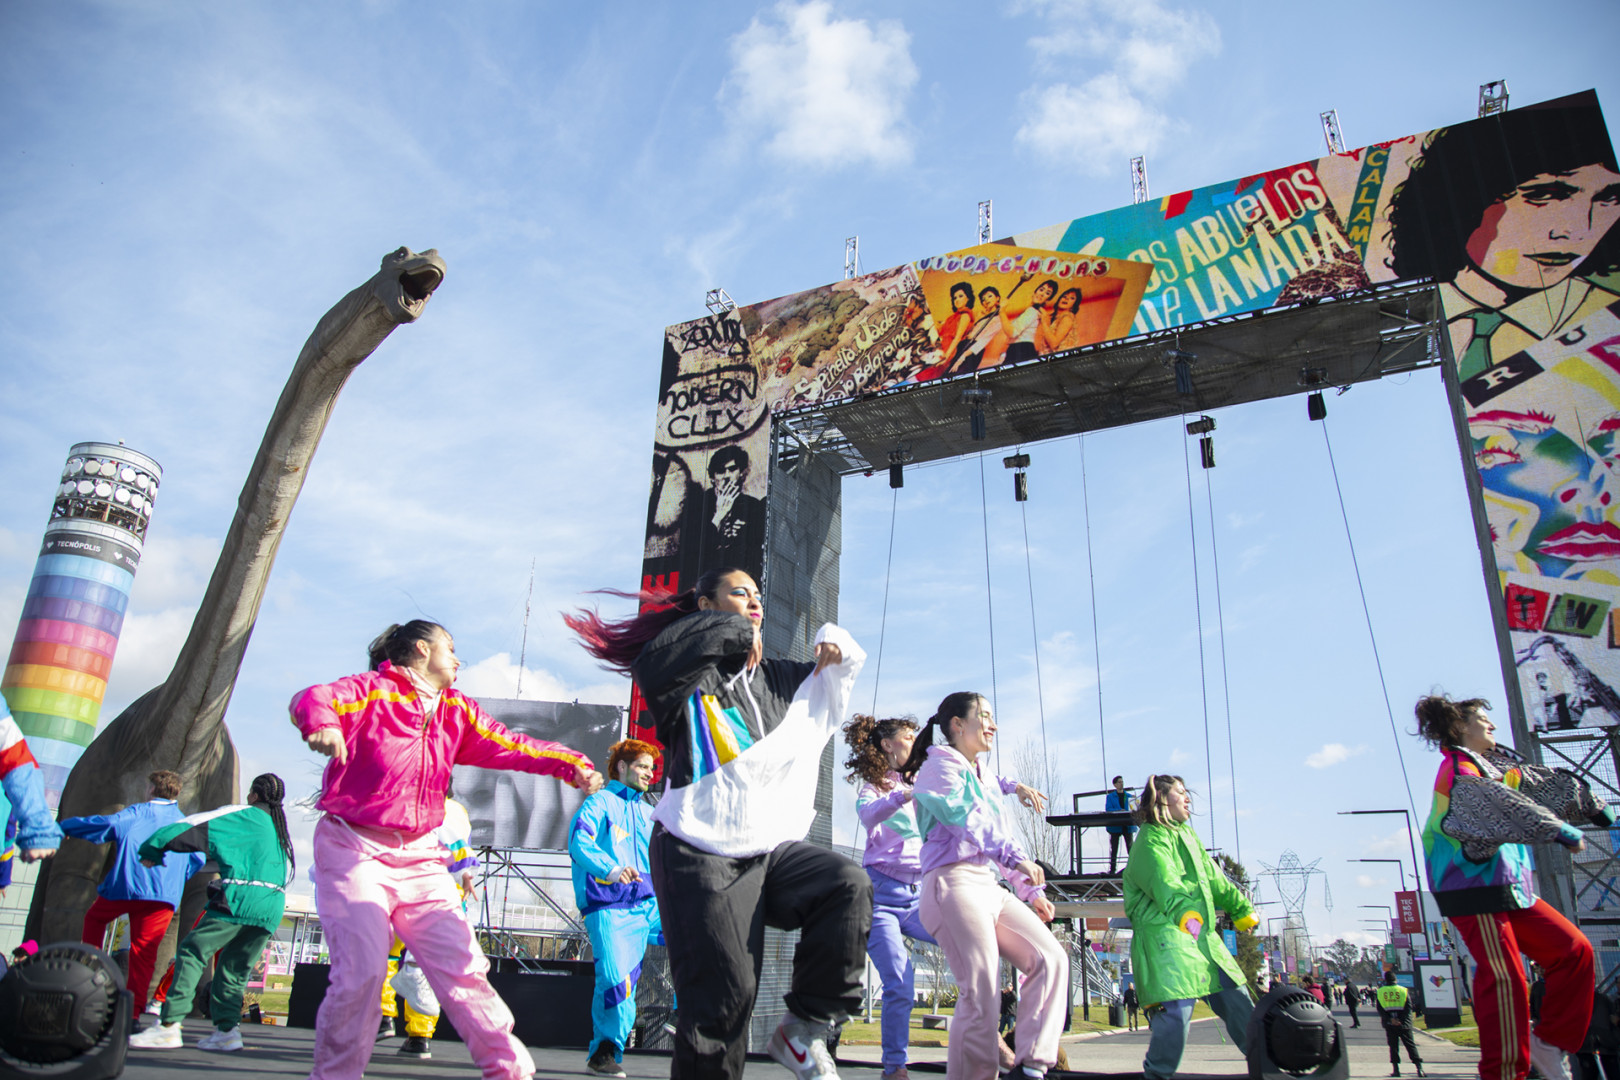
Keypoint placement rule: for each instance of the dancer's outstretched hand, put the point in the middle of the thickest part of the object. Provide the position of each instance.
(329, 741)
(1043, 909)
(828, 654)
(587, 779)
(1031, 798)
(36, 854)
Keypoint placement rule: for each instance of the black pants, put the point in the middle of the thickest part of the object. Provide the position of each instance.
(1350, 1003)
(715, 910)
(1398, 1036)
(1113, 849)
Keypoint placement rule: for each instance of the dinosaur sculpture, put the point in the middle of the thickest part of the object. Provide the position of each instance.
(180, 724)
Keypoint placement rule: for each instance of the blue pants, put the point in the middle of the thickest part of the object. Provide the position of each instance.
(619, 939)
(1168, 1024)
(894, 918)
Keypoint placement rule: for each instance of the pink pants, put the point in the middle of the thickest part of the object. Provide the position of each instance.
(367, 888)
(976, 922)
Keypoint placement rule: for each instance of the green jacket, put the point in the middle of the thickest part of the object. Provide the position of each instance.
(1169, 879)
(241, 841)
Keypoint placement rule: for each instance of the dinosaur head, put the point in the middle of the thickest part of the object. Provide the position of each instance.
(406, 280)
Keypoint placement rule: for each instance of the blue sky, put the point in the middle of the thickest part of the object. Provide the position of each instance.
(188, 188)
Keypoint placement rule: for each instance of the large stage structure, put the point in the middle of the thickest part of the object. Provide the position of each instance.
(1486, 248)
(56, 675)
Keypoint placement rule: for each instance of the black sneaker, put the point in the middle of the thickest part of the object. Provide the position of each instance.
(417, 1047)
(602, 1062)
(385, 1030)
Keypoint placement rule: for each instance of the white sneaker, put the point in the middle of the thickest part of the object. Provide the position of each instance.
(159, 1036)
(801, 1048)
(1547, 1058)
(410, 984)
(222, 1040)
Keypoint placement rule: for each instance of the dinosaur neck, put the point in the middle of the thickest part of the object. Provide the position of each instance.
(200, 684)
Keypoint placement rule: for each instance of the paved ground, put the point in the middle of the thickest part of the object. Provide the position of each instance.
(285, 1052)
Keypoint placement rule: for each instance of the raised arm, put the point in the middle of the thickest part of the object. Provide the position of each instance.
(488, 744)
(99, 828)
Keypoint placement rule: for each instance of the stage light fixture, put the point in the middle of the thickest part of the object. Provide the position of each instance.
(1021, 486)
(64, 1014)
(1015, 461)
(977, 398)
(1291, 1034)
(1201, 426)
(1315, 407)
(897, 462)
(1206, 451)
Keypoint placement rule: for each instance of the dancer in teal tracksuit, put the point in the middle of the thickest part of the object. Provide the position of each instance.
(613, 889)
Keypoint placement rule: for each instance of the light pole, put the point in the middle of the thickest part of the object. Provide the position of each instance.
(1400, 863)
(1411, 840)
(1281, 941)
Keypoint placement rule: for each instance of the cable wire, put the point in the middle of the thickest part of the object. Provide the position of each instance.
(989, 601)
(883, 622)
(1096, 638)
(1198, 610)
(1029, 575)
(1366, 612)
(1226, 681)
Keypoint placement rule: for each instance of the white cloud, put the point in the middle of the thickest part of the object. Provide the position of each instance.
(497, 676)
(1332, 754)
(1367, 881)
(827, 91)
(1144, 50)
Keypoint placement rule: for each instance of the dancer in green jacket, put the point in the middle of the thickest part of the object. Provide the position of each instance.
(250, 846)
(1172, 892)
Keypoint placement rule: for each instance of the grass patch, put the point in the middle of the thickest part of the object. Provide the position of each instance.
(1464, 1034)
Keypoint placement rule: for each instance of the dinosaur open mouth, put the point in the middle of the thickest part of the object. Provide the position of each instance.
(418, 284)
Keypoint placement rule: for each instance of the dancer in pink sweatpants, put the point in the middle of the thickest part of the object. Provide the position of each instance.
(393, 734)
(966, 838)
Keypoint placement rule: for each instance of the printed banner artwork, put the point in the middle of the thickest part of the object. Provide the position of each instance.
(1407, 916)
(1512, 216)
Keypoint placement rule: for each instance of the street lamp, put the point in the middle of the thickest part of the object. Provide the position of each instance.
(1411, 840)
(1401, 863)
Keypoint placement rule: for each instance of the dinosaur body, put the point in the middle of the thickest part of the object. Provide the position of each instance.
(180, 724)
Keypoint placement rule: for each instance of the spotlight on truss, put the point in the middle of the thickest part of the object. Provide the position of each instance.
(1201, 426)
(977, 398)
(897, 462)
(1182, 362)
(1020, 462)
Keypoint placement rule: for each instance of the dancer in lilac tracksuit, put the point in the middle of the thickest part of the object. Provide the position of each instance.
(966, 840)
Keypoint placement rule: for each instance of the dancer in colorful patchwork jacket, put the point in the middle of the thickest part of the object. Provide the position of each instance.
(22, 793)
(1488, 804)
(250, 846)
(613, 891)
(967, 839)
(1173, 890)
(148, 895)
(743, 737)
(393, 734)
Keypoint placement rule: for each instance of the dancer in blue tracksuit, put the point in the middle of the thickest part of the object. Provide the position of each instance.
(613, 889)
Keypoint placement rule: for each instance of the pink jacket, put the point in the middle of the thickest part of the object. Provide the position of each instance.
(398, 762)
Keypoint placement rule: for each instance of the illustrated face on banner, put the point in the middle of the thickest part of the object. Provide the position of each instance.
(1546, 227)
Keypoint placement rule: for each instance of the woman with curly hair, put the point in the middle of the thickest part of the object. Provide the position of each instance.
(877, 750)
(1488, 804)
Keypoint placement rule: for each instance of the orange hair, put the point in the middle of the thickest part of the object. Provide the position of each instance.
(629, 750)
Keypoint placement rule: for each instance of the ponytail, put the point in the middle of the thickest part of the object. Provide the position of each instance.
(397, 644)
(617, 642)
(953, 707)
(867, 759)
(271, 791)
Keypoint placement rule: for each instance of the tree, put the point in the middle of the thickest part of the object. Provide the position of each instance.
(1033, 766)
(1249, 956)
(1342, 956)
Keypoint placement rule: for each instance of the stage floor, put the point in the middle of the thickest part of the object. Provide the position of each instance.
(285, 1052)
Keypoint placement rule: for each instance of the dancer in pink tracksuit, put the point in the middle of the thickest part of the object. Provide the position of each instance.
(966, 839)
(393, 734)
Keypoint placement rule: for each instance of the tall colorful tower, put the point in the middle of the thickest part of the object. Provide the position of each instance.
(57, 673)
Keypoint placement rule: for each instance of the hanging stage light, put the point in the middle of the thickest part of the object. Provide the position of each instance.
(977, 398)
(1206, 451)
(1201, 426)
(897, 461)
(1019, 462)
(66, 1007)
(1315, 407)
